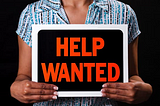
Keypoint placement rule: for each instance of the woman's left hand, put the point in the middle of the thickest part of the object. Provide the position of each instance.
(133, 92)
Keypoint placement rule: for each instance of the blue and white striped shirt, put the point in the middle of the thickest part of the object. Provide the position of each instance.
(99, 12)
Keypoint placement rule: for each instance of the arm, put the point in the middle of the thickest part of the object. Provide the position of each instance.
(24, 68)
(23, 89)
(136, 90)
(146, 89)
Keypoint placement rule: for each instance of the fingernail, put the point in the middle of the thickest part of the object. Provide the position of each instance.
(54, 97)
(104, 85)
(55, 93)
(55, 88)
(102, 90)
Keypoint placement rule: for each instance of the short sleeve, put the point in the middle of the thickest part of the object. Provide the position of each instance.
(24, 29)
(133, 28)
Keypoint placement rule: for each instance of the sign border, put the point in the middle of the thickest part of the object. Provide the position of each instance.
(38, 27)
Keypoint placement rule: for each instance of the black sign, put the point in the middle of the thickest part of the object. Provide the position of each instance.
(80, 60)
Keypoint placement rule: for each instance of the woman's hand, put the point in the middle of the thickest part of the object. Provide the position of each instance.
(31, 92)
(133, 92)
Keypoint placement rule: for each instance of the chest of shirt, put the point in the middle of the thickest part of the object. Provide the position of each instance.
(95, 15)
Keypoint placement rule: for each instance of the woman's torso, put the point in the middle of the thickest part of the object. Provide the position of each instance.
(52, 12)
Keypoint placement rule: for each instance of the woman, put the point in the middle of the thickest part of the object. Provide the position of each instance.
(77, 12)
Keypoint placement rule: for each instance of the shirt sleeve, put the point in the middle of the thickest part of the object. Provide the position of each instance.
(24, 29)
(133, 28)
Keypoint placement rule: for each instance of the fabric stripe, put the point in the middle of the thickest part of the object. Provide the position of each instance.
(24, 22)
(126, 14)
(110, 9)
(41, 17)
(25, 30)
(56, 3)
(33, 10)
(120, 13)
(115, 13)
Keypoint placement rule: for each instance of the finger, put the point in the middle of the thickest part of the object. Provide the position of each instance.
(33, 101)
(38, 98)
(35, 85)
(115, 91)
(116, 85)
(29, 91)
(43, 97)
(115, 97)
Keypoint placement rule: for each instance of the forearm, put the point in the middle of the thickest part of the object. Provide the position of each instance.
(135, 78)
(21, 77)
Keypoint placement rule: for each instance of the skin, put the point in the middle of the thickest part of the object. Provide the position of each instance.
(26, 91)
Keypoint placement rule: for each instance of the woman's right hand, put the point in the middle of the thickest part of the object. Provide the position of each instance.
(31, 92)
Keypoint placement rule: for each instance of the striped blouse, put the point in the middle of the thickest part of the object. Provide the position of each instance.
(99, 12)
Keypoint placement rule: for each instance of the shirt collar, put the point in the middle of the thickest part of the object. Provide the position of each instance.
(56, 4)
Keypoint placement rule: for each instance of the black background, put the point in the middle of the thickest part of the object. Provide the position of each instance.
(112, 52)
(148, 14)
